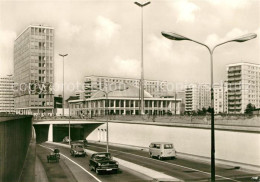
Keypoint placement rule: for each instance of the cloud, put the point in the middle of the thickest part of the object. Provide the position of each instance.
(186, 10)
(160, 48)
(105, 30)
(125, 67)
(67, 30)
(234, 4)
(214, 39)
(6, 51)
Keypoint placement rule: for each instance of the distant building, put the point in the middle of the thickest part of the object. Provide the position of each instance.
(123, 103)
(6, 95)
(33, 70)
(178, 95)
(221, 98)
(197, 96)
(243, 86)
(58, 101)
(93, 83)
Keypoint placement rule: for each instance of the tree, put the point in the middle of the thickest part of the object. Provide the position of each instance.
(249, 109)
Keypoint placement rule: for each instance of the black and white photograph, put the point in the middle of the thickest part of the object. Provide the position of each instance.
(129, 90)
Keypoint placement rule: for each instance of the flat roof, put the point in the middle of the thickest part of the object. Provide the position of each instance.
(116, 77)
(243, 63)
(34, 26)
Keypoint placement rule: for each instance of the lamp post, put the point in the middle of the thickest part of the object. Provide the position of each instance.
(106, 92)
(177, 37)
(69, 123)
(142, 62)
(63, 55)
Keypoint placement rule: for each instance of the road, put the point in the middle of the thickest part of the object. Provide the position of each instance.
(181, 168)
(81, 172)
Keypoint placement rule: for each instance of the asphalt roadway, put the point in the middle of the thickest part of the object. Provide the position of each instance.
(76, 168)
(79, 170)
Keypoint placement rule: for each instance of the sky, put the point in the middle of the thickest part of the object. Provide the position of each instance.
(103, 37)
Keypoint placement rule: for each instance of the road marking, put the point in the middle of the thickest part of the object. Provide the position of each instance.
(174, 165)
(76, 164)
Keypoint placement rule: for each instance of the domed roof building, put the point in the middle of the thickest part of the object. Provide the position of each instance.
(129, 92)
(123, 102)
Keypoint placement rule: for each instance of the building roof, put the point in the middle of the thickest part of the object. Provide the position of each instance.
(130, 92)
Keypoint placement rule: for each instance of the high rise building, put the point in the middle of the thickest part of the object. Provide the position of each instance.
(6, 95)
(33, 70)
(197, 96)
(243, 86)
(221, 98)
(93, 83)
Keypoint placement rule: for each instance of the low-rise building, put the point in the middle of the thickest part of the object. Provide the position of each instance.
(124, 102)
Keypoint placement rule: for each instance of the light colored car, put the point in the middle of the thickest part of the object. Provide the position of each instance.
(77, 150)
(162, 150)
(256, 178)
(66, 139)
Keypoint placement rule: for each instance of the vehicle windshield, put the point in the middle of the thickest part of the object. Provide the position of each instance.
(103, 156)
(168, 146)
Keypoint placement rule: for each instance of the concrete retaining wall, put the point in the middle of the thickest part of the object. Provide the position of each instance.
(15, 136)
(240, 147)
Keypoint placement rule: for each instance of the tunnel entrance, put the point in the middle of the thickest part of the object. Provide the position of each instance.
(60, 131)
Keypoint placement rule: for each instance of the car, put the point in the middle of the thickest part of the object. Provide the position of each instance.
(162, 150)
(256, 178)
(103, 162)
(66, 139)
(77, 150)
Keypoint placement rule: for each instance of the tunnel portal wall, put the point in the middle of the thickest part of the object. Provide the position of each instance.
(15, 136)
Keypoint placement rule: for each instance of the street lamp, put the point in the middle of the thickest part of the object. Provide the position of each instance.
(142, 62)
(106, 92)
(63, 55)
(178, 37)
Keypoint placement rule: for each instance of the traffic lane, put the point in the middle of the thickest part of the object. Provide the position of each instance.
(160, 166)
(124, 173)
(56, 172)
(222, 170)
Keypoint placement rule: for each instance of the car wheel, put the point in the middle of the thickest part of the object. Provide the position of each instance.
(97, 171)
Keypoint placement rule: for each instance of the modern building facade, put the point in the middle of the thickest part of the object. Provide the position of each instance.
(243, 86)
(6, 94)
(93, 83)
(221, 98)
(34, 70)
(197, 96)
(124, 102)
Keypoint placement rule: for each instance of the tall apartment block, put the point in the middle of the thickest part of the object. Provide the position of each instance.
(33, 70)
(221, 98)
(244, 86)
(197, 96)
(92, 83)
(6, 95)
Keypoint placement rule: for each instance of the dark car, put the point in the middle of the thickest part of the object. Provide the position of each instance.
(77, 150)
(103, 162)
